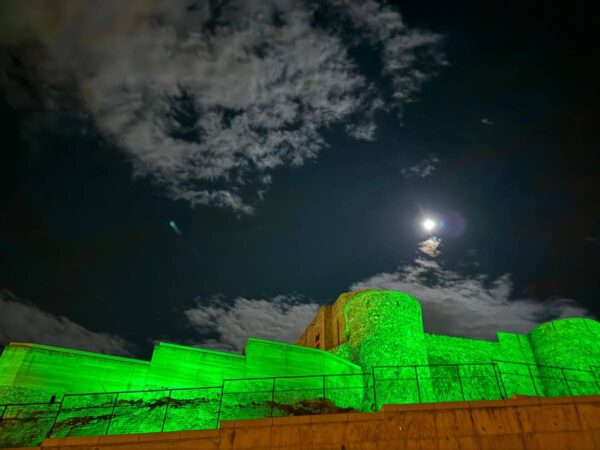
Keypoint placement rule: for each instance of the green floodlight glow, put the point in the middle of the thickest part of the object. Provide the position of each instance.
(383, 357)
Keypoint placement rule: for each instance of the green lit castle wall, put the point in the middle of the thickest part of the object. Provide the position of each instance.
(30, 372)
(365, 350)
(56, 371)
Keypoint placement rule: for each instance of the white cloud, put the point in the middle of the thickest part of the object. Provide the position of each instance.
(471, 306)
(422, 169)
(282, 318)
(208, 100)
(23, 322)
(486, 121)
(430, 246)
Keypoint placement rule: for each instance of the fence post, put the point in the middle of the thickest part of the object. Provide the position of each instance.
(533, 380)
(418, 385)
(112, 413)
(55, 417)
(323, 401)
(566, 381)
(220, 405)
(502, 381)
(3, 411)
(273, 397)
(374, 389)
(462, 392)
(162, 428)
(497, 381)
(595, 377)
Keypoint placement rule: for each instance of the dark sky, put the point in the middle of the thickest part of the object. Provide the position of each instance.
(298, 146)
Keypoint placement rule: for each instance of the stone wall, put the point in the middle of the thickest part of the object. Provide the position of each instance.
(329, 325)
(315, 334)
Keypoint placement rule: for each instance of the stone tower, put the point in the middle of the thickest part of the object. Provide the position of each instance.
(384, 328)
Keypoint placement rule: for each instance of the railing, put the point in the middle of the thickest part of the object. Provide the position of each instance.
(547, 381)
(437, 383)
(204, 408)
(467, 382)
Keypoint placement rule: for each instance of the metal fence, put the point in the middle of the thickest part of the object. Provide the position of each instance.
(468, 382)
(204, 408)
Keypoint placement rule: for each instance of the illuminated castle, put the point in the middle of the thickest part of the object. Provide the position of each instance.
(385, 328)
(367, 349)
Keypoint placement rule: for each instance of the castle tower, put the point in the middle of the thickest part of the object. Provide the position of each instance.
(384, 328)
(564, 348)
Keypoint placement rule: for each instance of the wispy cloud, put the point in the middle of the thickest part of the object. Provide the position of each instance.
(207, 100)
(472, 306)
(364, 131)
(422, 169)
(409, 56)
(486, 121)
(24, 322)
(226, 325)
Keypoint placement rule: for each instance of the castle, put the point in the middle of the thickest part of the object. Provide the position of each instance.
(385, 328)
(365, 350)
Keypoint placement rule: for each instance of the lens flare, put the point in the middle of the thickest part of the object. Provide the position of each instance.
(174, 227)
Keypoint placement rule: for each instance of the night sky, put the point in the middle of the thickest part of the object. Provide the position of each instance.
(202, 172)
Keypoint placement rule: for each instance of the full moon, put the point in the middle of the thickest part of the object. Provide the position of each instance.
(428, 224)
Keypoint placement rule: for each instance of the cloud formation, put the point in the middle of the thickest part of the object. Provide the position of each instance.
(470, 306)
(422, 169)
(453, 304)
(23, 322)
(208, 98)
(282, 318)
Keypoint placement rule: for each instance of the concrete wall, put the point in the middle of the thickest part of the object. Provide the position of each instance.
(32, 373)
(515, 424)
(56, 370)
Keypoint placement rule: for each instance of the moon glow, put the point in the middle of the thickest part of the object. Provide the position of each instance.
(429, 224)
